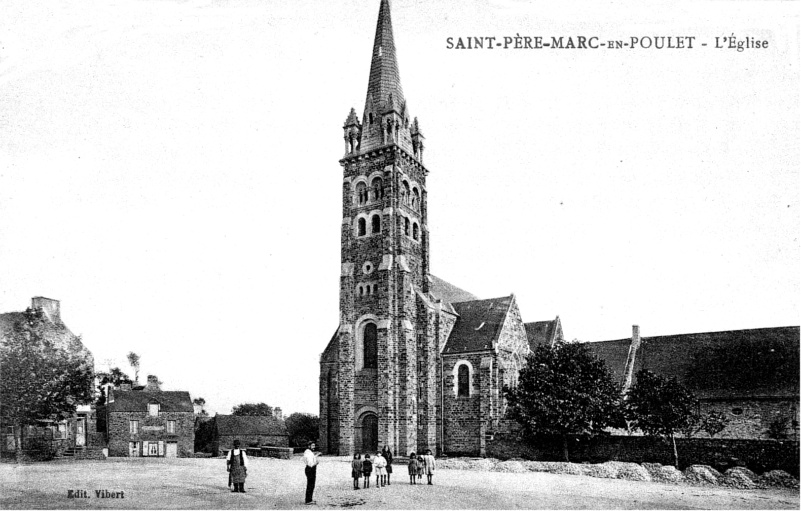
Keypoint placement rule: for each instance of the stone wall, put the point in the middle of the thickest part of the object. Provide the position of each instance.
(119, 435)
(721, 453)
(751, 418)
(463, 413)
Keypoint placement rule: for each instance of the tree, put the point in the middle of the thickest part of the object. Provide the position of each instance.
(46, 373)
(114, 377)
(302, 428)
(133, 359)
(564, 390)
(252, 409)
(661, 407)
(199, 401)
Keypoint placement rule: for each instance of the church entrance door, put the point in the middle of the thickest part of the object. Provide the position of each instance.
(370, 433)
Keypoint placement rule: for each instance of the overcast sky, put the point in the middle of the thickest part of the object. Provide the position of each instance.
(169, 171)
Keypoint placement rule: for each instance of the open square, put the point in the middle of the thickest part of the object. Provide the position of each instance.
(279, 484)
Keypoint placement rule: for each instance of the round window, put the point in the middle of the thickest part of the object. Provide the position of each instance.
(367, 268)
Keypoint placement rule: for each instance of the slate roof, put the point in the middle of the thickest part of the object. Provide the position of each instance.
(479, 324)
(384, 75)
(540, 332)
(448, 292)
(233, 425)
(754, 363)
(137, 401)
(330, 354)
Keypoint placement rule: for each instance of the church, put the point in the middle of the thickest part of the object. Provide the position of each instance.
(416, 363)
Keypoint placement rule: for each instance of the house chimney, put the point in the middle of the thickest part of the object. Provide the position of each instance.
(628, 372)
(278, 414)
(152, 383)
(50, 307)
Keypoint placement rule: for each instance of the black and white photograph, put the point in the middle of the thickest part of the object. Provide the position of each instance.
(396, 254)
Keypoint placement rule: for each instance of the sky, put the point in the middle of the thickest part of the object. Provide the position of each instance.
(169, 172)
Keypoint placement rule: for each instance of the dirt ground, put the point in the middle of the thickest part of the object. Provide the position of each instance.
(201, 484)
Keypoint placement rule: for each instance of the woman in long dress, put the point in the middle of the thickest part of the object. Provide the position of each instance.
(237, 467)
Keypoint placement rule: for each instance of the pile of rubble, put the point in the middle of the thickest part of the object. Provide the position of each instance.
(704, 475)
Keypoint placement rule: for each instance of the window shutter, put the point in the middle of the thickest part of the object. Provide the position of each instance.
(145, 448)
(161, 448)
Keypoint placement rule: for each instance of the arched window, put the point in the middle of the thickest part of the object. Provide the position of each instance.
(406, 193)
(415, 199)
(406, 226)
(361, 290)
(361, 193)
(375, 289)
(378, 189)
(376, 220)
(464, 381)
(362, 227)
(415, 232)
(370, 340)
(370, 115)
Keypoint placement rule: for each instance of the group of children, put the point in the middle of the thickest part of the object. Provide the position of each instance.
(418, 465)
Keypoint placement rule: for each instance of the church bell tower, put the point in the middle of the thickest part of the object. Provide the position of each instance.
(385, 265)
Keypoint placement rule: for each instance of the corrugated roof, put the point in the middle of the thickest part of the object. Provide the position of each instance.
(760, 362)
(232, 425)
(137, 401)
(478, 325)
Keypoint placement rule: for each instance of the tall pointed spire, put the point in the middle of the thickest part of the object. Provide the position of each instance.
(386, 118)
(384, 75)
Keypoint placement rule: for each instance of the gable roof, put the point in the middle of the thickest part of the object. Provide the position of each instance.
(479, 324)
(137, 401)
(330, 353)
(232, 425)
(755, 363)
(542, 332)
(448, 292)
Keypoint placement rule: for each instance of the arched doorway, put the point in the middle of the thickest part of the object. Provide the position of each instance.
(370, 433)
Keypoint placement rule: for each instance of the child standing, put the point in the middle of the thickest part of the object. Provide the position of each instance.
(421, 466)
(380, 465)
(431, 465)
(412, 469)
(367, 470)
(356, 470)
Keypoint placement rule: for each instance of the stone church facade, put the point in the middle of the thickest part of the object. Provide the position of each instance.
(415, 363)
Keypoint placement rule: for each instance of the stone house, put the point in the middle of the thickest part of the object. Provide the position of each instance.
(150, 422)
(76, 434)
(750, 376)
(415, 363)
(218, 433)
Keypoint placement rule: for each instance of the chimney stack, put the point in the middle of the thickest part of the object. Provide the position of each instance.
(152, 383)
(628, 372)
(50, 307)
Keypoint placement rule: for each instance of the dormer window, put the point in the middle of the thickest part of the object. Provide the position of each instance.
(153, 409)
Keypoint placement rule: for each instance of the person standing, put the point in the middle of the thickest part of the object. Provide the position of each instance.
(310, 460)
(387, 454)
(380, 465)
(412, 469)
(367, 470)
(237, 463)
(431, 465)
(356, 470)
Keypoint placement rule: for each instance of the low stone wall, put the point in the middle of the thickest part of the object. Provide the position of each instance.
(283, 453)
(757, 455)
